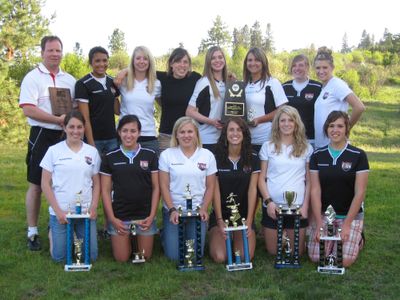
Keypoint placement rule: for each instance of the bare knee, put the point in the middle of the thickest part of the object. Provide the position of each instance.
(218, 257)
(347, 262)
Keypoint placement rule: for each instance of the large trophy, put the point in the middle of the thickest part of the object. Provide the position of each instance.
(232, 226)
(328, 262)
(189, 249)
(137, 255)
(234, 101)
(74, 245)
(284, 256)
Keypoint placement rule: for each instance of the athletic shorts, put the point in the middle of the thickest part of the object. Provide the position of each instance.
(288, 222)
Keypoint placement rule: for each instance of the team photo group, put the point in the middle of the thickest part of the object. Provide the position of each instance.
(220, 152)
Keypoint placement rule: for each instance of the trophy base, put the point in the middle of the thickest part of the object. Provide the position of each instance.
(189, 269)
(239, 267)
(287, 266)
(77, 268)
(331, 270)
(138, 261)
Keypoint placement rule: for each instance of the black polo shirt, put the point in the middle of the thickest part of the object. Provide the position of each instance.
(101, 105)
(337, 176)
(235, 178)
(131, 179)
(304, 102)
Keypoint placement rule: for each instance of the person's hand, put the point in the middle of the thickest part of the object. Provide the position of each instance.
(203, 214)
(253, 123)
(345, 234)
(304, 212)
(60, 120)
(271, 210)
(93, 213)
(217, 124)
(174, 217)
(317, 232)
(120, 227)
(62, 217)
(221, 226)
(146, 223)
(119, 79)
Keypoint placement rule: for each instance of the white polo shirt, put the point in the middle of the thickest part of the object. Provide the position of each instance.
(183, 171)
(285, 172)
(140, 103)
(35, 91)
(332, 97)
(256, 100)
(71, 173)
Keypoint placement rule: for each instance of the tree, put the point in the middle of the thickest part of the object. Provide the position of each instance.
(117, 41)
(21, 26)
(241, 37)
(345, 44)
(366, 41)
(218, 35)
(256, 39)
(269, 40)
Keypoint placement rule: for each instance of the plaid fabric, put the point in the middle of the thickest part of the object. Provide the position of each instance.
(350, 248)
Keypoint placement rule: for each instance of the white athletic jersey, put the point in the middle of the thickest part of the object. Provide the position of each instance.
(183, 171)
(71, 173)
(332, 97)
(285, 172)
(256, 100)
(140, 103)
(203, 99)
(35, 91)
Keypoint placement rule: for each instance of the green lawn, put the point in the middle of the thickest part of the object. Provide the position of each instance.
(27, 275)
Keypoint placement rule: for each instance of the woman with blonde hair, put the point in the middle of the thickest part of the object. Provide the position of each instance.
(284, 167)
(206, 103)
(139, 92)
(185, 166)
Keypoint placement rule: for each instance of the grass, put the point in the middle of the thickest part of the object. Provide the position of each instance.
(26, 275)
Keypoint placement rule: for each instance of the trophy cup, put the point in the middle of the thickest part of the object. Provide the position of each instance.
(284, 257)
(234, 101)
(189, 249)
(231, 226)
(331, 264)
(74, 245)
(138, 257)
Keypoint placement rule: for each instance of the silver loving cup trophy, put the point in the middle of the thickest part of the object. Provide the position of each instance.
(137, 256)
(329, 244)
(189, 256)
(231, 226)
(286, 257)
(78, 247)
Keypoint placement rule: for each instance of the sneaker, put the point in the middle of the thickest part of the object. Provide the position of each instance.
(34, 243)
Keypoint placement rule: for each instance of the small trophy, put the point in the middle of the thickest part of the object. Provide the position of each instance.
(234, 101)
(231, 226)
(74, 245)
(189, 249)
(331, 264)
(138, 257)
(284, 257)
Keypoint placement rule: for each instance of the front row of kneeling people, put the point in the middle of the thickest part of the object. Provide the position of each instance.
(131, 179)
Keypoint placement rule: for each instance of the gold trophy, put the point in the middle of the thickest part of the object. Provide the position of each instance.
(190, 253)
(138, 257)
(78, 250)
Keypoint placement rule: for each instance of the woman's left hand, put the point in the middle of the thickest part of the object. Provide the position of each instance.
(146, 223)
(93, 213)
(345, 234)
(304, 212)
(203, 214)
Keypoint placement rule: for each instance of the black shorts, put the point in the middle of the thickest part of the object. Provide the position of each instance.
(288, 222)
(212, 222)
(40, 139)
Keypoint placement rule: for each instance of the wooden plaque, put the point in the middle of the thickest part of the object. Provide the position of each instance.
(234, 101)
(61, 102)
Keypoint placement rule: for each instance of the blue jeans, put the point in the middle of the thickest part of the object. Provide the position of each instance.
(169, 235)
(153, 145)
(59, 237)
(105, 146)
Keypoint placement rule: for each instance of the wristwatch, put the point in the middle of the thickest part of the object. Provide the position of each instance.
(267, 201)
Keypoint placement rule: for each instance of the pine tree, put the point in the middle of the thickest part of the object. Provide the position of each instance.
(117, 41)
(218, 35)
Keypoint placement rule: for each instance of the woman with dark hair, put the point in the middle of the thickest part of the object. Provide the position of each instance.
(130, 190)
(339, 177)
(238, 170)
(70, 170)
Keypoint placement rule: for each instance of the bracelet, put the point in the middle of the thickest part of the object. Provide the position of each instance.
(267, 201)
(171, 210)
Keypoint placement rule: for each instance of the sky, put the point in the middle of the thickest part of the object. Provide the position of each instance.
(162, 25)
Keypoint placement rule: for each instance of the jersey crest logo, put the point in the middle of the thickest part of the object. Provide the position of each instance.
(246, 169)
(88, 160)
(144, 164)
(346, 166)
(201, 166)
(309, 96)
(326, 94)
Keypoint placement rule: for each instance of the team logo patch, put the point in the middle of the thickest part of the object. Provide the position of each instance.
(325, 95)
(201, 166)
(144, 164)
(346, 166)
(88, 160)
(246, 169)
(309, 96)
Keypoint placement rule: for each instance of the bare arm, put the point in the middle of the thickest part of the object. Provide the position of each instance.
(208, 195)
(164, 186)
(33, 112)
(252, 198)
(51, 198)
(84, 109)
(120, 77)
(316, 199)
(117, 106)
(95, 196)
(306, 202)
(192, 112)
(357, 108)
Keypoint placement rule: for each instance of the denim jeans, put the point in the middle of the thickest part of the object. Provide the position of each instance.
(169, 235)
(105, 146)
(59, 237)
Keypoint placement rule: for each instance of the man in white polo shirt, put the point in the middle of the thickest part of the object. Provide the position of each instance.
(45, 127)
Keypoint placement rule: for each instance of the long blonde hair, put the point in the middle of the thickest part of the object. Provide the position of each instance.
(150, 73)
(299, 135)
(207, 72)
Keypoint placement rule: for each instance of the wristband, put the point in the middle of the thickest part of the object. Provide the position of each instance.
(267, 201)
(171, 210)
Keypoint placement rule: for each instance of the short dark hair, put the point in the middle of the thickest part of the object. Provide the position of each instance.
(49, 38)
(333, 116)
(95, 50)
(74, 114)
(176, 55)
(129, 119)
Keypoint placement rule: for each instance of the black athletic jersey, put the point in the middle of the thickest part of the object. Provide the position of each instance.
(304, 102)
(337, 176)
(101, 104)
(131, 180)
(234, 178)
(175, 96)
